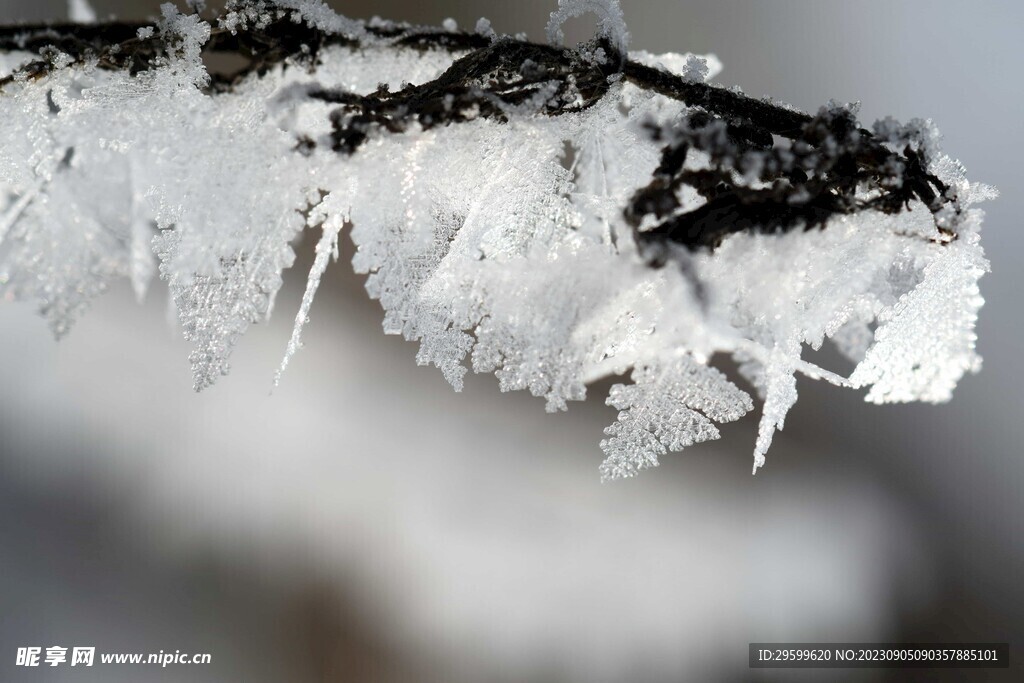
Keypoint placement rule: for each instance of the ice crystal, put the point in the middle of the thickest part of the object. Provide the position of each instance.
(611, 23)
(669, 406)
(549, 227)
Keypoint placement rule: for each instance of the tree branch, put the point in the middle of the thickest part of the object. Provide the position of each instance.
(770, 168)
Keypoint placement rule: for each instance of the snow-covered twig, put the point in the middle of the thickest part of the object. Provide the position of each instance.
(553, 214)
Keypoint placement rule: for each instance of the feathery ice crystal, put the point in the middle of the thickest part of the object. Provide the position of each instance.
(552, 215)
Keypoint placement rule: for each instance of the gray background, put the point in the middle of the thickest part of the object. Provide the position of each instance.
(365, 523)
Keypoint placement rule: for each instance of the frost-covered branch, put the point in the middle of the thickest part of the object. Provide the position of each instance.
(514, 204)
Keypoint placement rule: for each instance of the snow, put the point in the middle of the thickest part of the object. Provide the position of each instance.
(499, 246)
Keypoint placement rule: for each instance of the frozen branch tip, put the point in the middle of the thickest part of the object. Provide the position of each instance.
(549, 214)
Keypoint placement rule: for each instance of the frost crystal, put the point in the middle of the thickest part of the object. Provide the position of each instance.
(669, 406)
(550, 215)
(610, 20)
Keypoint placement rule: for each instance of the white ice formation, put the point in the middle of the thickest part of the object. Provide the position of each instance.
(498, 243)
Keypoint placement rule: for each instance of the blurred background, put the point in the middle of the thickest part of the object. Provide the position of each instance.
(366, 523)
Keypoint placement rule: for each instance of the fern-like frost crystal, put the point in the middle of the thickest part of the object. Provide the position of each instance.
(551, 215)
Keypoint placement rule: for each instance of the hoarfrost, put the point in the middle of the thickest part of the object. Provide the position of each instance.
(241, 14)
(498, 240)
(611, 23)
(669, 406)
(331, 215)
(689, 66)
